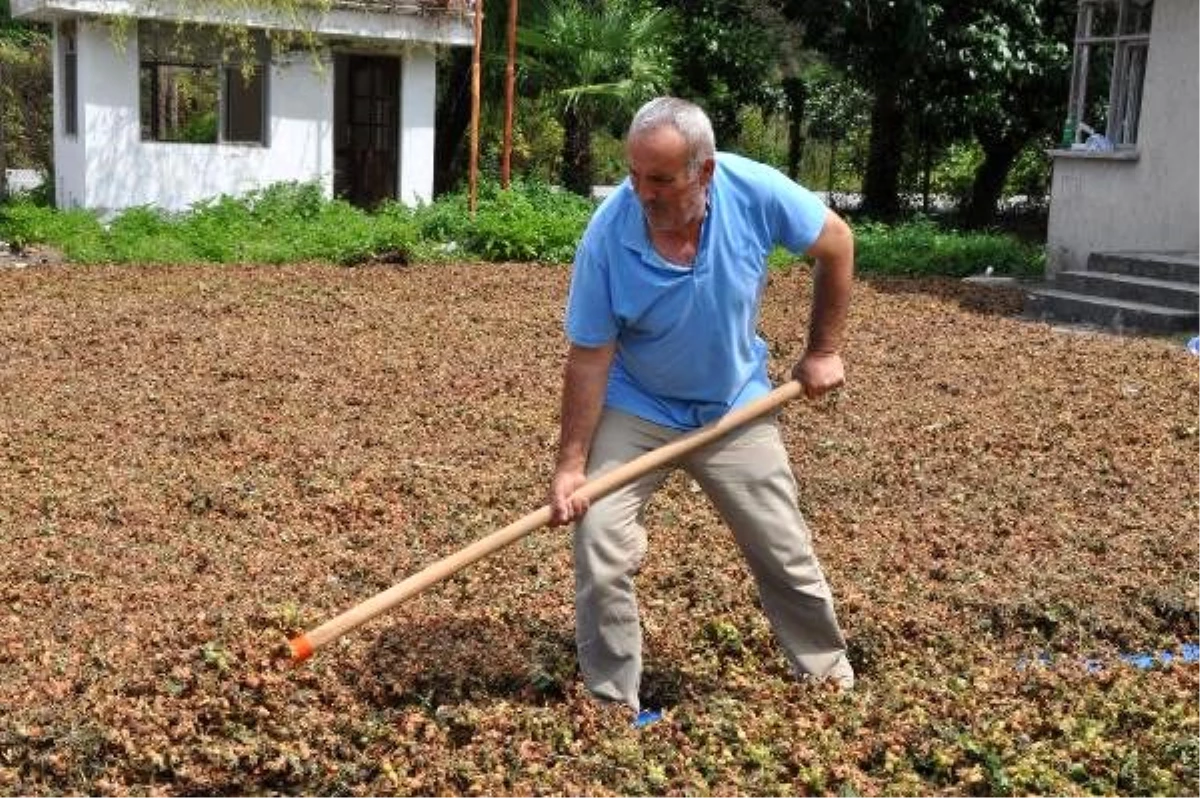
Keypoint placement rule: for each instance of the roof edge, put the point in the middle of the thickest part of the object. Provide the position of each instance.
(437, 21)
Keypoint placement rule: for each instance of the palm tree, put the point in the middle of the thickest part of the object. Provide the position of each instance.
(596, 58)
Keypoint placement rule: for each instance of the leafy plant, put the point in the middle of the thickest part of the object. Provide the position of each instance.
(531, 222)
(921, 248)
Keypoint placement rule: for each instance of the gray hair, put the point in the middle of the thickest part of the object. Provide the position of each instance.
(687, 118)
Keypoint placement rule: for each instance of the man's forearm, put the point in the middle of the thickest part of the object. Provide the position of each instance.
(585, 378)
(830, 306)
(833, 277)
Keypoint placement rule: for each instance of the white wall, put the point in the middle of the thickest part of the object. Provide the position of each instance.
(122, 170)
(1103, 204)
(418, 106)
(68, 150)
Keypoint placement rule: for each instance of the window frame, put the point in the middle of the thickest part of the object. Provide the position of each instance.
(1126, 75)
(200, 48)
(68, 34)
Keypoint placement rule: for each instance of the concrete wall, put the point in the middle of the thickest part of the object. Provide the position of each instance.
(418, 109)
(1145, 201)
(68, 150)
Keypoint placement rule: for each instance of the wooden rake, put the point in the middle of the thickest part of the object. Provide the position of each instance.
(304, 645)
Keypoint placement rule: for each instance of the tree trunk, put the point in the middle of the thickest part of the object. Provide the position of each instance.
(453, 119)
(797, 94)
(576, 172)
(988, 185)
(881, 186)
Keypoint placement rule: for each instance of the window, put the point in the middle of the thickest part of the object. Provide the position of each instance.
(199, 88)
(1112, 39)
(70, 77)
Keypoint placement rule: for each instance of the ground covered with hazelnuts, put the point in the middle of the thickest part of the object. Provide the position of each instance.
(198, 463)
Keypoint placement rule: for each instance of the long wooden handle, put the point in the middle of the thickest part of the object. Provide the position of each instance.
(304, 645)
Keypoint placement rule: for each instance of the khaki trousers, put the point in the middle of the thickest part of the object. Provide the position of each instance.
(748, 478)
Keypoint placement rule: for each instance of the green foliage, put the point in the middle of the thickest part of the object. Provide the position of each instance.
(730, 57)
(531, 222)
(25, 108)
(955, 171)
(78, 233)
(1030, 175)
(528, 225)
(921, 248)
(760, 138)
(20, 33)
(597, 62)
(294, 222)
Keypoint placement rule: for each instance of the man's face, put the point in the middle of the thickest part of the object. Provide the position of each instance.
(671, 197)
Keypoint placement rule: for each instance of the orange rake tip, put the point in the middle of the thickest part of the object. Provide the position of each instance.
(302, 648)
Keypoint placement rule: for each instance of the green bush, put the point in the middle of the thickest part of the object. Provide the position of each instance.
(531, 222)
(954, 173)
(1030, 175)
(921, 248)
(77, 233)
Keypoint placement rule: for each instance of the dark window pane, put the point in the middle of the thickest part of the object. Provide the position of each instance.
(70, 79)
(1137, 17)
(244, 104)
(179, 103)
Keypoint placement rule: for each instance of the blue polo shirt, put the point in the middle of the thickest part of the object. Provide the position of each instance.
(687, 345)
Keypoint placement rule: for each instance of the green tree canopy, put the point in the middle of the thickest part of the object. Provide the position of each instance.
(599, 59)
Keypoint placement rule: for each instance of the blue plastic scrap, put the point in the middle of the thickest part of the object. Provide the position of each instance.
(647, 717)
(1188, 652)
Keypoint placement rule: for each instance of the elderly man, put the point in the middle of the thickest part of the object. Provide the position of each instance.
(662, 317)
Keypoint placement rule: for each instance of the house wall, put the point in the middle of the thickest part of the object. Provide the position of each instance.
(1101, 202)
(418, 108)
(68, 150)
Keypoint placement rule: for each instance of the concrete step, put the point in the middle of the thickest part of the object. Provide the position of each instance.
(1179, 266)
(1049, 303)
(1132, 288)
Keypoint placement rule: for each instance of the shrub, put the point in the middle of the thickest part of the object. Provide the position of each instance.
(76, 232)
(531, 222)
(921, 248)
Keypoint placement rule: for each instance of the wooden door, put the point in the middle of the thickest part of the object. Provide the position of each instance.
(367, 133)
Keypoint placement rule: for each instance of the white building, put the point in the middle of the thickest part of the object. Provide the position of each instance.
(153, 106)
(1126, 177)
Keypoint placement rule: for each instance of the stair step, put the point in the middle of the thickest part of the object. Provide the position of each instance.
(1069, 306)
(1132, 288)
(1179, 266)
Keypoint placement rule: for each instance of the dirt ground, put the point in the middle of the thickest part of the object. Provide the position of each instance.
(198, 462)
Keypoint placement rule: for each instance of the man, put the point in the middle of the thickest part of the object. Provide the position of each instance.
(661, 319)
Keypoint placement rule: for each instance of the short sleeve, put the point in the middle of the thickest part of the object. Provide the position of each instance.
(590, 320)
(797, 214)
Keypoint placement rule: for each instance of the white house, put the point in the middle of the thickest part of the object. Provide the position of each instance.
(1124, 226)
(153, 106)
(1126, 176)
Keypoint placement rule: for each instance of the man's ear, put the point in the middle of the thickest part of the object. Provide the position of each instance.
(706, 170)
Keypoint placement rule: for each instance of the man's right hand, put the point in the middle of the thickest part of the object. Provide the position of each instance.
(564, 505)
